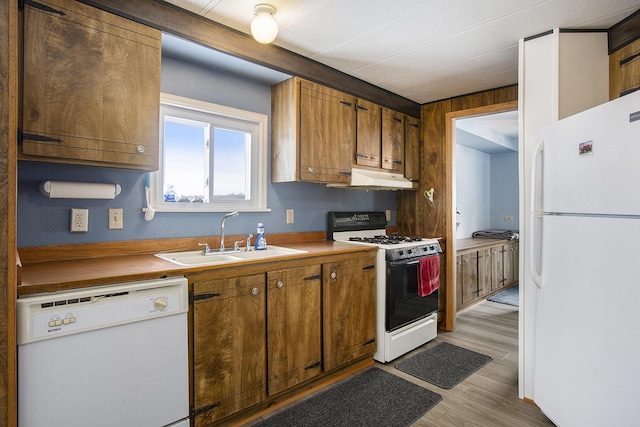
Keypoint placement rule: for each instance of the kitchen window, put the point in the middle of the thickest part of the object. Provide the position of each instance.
(212, 158)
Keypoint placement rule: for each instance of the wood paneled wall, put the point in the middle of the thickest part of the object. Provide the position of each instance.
(415, 215)
(8, 145)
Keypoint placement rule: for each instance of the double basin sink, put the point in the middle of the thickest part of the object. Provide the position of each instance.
(192, 258)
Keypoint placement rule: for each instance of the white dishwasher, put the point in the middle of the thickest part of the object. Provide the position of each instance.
(105, 356)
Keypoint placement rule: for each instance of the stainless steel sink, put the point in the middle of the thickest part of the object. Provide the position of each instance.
(190, 258)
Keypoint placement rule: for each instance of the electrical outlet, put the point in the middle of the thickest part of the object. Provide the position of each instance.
(508, 218)
(79, 220)
(387, 214)
(289, 216)
(115, 219)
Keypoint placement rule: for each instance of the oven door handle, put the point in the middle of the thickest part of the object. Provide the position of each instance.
(397, 263)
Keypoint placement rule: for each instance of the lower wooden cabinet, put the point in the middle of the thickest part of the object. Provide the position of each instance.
(229, 348)
(294, 326)
(349, 297)
(485, 269)
(255, 337)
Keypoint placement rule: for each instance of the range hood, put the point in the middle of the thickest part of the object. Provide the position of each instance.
(366, 179)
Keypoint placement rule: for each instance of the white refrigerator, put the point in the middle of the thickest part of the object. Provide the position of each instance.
(586, 265)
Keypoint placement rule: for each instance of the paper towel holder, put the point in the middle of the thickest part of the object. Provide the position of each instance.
(79, 190)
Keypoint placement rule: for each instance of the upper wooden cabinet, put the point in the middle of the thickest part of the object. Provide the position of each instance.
(313, 133)
(412, 149)
(624, 70)
(369, 133)
(318, 134)
(392, 141)
(91, 87)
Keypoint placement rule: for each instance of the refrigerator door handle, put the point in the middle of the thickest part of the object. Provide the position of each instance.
(535, 214)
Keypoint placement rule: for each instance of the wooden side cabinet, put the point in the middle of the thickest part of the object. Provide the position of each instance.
(294, 331)
(229, 348)
(91, 87)
(485, 269)
(349, 305)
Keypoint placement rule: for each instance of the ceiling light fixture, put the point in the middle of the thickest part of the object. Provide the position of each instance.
(264, 27)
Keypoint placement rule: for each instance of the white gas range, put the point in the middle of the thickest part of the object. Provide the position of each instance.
(404, 320)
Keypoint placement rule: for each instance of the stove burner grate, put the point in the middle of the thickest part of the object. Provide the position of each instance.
(385, 240)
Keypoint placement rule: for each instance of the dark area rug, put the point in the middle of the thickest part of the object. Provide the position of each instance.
(371, 398)
(444, 364)
(510, 296)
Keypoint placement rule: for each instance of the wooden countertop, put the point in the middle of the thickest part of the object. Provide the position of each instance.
(472, 243)
(60, 275)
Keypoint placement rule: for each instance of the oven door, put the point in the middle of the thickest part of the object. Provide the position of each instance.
(403, 304)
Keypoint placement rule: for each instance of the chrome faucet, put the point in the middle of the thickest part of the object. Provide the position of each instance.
(224, 219)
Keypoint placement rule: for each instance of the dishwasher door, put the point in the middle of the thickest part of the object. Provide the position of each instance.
(104, 356)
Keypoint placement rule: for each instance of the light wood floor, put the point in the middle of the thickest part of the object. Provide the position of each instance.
(489, 397)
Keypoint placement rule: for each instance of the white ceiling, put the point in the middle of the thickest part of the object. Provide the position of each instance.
(424, 50)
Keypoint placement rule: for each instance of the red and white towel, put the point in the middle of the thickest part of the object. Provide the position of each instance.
(428, 275)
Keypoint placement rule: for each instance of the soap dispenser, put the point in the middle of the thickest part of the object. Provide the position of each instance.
(261, 242)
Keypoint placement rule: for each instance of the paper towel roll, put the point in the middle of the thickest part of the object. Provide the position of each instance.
(79, 190)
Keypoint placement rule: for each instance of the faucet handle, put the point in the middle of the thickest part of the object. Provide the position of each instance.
(236, 245)
(207, 249)
(249, 236)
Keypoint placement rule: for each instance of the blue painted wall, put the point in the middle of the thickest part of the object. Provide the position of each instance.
(43, 221)
(486, 190)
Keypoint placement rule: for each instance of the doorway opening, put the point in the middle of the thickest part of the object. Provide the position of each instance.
(455, 212)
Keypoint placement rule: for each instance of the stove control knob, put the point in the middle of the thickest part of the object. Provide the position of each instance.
(160, 303)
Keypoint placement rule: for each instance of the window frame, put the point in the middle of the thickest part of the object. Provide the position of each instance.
(259, 152)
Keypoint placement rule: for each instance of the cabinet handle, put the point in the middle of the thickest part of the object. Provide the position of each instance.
(40, 138)
(413, 124)
(254, 291)
(360, 107)
(369, 267)
(316, 277)
(310, 169)
(395, 119)
(347, 103)
(279, 284)
(334, 275)
(199, 297)
(140, 149)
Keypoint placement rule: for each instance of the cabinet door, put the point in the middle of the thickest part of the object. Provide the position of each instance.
(624, 70)
(497, 267)
(368, 139)
(327, 134)
(469, 277)
(412, 148)
(511, 263)
(484, 272)
(229, 346)
(294, 326)
(91, 87)
(349, 297)
(459, 274)
(392, 140)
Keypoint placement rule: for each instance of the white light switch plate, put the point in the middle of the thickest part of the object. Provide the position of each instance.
(115, 219)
